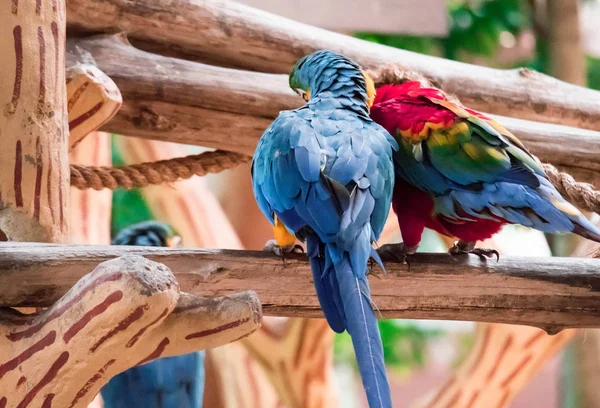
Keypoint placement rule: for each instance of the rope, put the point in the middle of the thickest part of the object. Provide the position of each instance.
(582, 195)
(163, 171)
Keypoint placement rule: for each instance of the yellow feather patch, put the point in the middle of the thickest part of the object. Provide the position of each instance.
(495, 153)
(565, 207)
(472, 150)
(429, 126)
(459, 128)
(371, 92)
(283, 237)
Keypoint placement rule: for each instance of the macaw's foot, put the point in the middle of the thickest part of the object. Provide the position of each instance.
(271, 246)
(465, 247)
(402, 253)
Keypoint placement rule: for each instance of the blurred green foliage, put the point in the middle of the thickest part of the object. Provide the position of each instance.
(128, 206)
(404, 345)
(474, 28)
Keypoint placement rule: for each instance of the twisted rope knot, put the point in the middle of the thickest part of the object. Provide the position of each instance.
(163, 171)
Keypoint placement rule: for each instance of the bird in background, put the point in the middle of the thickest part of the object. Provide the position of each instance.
(324, 173)
(171, 382)
(463, 175)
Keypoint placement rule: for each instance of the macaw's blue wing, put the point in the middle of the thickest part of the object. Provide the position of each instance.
(329, 175)
(165, 383)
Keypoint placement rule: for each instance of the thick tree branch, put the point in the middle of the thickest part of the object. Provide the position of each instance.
(551, 293)
(192, 103)
(236, 35)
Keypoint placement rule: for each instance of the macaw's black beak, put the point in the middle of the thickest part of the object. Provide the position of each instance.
(174, 242)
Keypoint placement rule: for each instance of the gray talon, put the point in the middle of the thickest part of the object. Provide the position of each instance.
(271, 246)
(464, 247)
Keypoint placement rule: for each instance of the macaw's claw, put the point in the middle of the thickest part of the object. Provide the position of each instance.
(400, 252)
(271, 246)
(462, 247)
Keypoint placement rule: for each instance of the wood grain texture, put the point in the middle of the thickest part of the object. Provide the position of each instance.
(233, 34)
(192, 103)
(33, 135)
(92, 100)
(551, 293)
(127, 311)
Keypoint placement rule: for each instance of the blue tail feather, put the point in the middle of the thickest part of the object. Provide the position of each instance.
(322, 272)
(361, 324)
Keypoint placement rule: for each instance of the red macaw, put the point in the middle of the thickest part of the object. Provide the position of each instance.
(463, 175)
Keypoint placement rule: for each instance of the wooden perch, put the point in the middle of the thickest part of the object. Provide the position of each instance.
(551, 293)
(127, 311)
(232, 34)
(92, 100)
(192, 103)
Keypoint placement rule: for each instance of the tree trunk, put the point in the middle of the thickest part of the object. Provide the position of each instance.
(34, 136)
(566, 57)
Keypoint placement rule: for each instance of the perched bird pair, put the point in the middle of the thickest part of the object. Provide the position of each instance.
(171, 382)
(325, 173)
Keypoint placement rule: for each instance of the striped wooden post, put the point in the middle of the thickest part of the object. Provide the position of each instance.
(33, 134)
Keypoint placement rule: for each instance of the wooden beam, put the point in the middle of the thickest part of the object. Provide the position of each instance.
(230, 109)
(232, 34)
(550, 293)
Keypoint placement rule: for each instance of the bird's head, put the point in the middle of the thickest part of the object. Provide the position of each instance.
(328, 71)
(148, 233)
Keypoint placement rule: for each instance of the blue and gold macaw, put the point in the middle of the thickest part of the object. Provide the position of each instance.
(324, 172)
(171, 382)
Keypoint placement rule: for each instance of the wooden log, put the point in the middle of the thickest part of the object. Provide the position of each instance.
(93, 99)
(230, 109)
(550, 293)
(233, 34)
(127, 311)
(33, 142)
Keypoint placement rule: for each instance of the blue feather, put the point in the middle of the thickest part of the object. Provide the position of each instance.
(361, 324)
(165, 383)
(339, 163)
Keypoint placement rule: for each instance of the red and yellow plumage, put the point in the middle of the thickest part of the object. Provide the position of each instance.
(462, 174)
